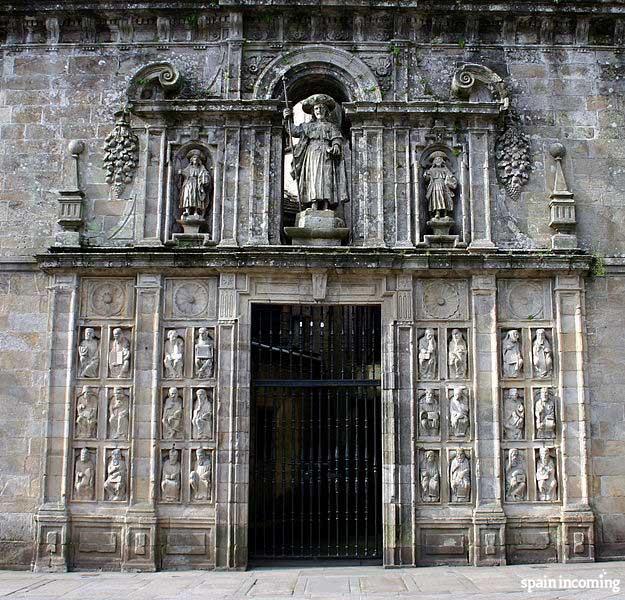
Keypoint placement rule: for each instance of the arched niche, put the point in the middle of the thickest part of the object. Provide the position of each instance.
(309, 62)
(180, 161)
(454, 164)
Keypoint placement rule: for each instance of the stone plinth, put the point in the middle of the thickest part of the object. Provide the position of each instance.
(317, 228)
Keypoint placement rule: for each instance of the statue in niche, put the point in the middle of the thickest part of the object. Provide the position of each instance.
(514, 415)
(204, 354)
(511, 354)
(201, 478)
(428, 355)
(516, 477)
(460, 477)
(87, 413)
(430, 478)
(195, 189)
(172, 415)
(441, 186)
(542, 358)
(115, 483)
(84, 476)
(459, 412)
(89, 355)
(318, 163)
(457, 355)
(170, 477)
(545, 414)
(119, 355)
(546, 480)
(202, 417)
(174, 355)
(119, 414)
(429, 413)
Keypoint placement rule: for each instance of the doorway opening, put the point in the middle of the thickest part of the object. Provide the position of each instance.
(316, 456)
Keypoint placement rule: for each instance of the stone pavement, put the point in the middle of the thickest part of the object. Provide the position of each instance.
(328, 583)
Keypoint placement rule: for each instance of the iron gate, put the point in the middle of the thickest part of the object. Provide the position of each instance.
(315, 483)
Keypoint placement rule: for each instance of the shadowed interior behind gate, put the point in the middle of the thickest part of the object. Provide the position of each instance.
(316, 460)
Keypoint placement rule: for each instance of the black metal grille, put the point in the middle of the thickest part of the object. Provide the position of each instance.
(316, 432)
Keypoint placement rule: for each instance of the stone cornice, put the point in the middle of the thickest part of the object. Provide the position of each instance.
(161, 259)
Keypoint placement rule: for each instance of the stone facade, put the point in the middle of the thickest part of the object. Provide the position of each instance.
(127, 323)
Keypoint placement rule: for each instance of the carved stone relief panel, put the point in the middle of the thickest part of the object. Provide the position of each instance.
(118, 417)
(428, 354)
(457, 354)
(442, 300)
(460, 475)
(89, 352)
(516, 484)
(116, 481)
(174, 356)
(84, 484)
(172, 419)
(202, 416)
(524, 299)
(191, 298)
(513, 414)
(429, 413)
(512, 362)
(545, 420)
(120, 353)
(542, 352)
(201, 475)
(204, 352)
(86, 419)
(170, 480)
(459, 415)
(429, 476)
(107, 298)
(546, 474)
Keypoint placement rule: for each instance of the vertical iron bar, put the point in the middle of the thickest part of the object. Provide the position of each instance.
(273, 476)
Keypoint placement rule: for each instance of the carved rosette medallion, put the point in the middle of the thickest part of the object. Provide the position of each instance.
(190, 299)
(525, 300)
(107, 299)
(440, 300)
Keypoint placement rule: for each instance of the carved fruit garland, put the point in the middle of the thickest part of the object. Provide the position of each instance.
(121, 153)
(513, 158)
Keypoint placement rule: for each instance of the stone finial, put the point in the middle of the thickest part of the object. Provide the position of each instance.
(562, 205)
(71, 201)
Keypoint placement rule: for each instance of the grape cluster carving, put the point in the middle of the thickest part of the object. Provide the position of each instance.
(513, 158)
(121, 153)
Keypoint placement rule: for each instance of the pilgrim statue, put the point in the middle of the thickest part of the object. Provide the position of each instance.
(170, 477)
(430, 477)
(202, 417)
(115, 483)
(84, 476)
(516, 477)
(511, 354)
(441, 186)
(457, 355)
(204, 354)
(545, 414)
(460, 477)
(119, 355)
(514, 414)
(119, 414)
(174, 355)
(318, 165)
(429, 413)
(542, 357)
(195, 190)
(459, 412)
(428, 355)
(87, 413)
(89, 355)
(201, 478)
(546, 480)
(172, 415)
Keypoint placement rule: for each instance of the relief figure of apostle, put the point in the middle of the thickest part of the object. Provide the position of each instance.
(318, 164)
(196, 183)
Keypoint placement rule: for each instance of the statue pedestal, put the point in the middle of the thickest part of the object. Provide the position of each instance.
(317, 228)
(441, 237)
(191, 225)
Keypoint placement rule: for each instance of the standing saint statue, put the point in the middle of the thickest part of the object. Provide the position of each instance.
(318, 164)
(460, 477)
(89, 355)
(196, 183)
(428, 355)
(511, 354)
(457, 355)
(542, 357)
(430, 477)
(441, 185)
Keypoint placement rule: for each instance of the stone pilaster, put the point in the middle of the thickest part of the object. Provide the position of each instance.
(52, 518)
(139, 552)
(488, 517)
(577, 539)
